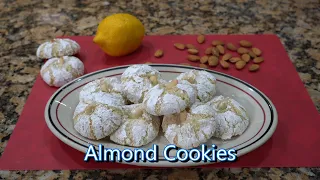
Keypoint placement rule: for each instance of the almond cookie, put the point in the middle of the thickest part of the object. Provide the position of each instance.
(137, 79)
(138, 128)
(190, 128)
(59, 71)
(96, 121)
(232, 118)
(204, 82)
(170, 98)
(58, 48)
(104, 91)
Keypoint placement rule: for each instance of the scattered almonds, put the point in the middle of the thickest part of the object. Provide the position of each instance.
(190, 46)
(224, 64)
(234, 59)
(242, 50)
(204, 59)
(203, 66)
(179, 46)
(221, 49)
(252, 54)
(193, 51)
(193, 58)
(208, 51)
(245, 57)
(240, 64)
(258, 60)
(254, 67)
(158, 53)
(212, 55)
(256, 51)
(201, 39)
(213, 61)
(226, 57)
(245, 43)
(215, 51)
(231, 47)
(217, 42)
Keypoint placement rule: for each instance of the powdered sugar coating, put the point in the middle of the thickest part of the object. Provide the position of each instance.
(105, 91)
(198, 126)
(162, 101)
(136, 131)
(96, 121)
(59, 71)
(204, 82)
(58, 48)
(136, 81)
(232, 118)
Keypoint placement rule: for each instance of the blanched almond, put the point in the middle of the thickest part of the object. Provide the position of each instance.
(245, 57)
(215, 51)
(254, 67)
(158, 53)
(217, 42)
(154, 80)
(256, 51)
(213, 61)
(242, 50)
(203, 66)
(221, 49)
(240, 64)
(190, 46)
(231, 47)
(193, 51)
(208, 51)
(245, 43)
(234, 59)
(204, 59)
(193, 58)
(258, 60)
(201, 39)
(172, 83)
(179, 46)
(226, 57)
(224, 64)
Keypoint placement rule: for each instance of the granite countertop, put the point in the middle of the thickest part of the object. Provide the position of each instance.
(25, 24)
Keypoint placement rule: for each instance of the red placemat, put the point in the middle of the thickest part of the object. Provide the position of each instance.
(295, 142)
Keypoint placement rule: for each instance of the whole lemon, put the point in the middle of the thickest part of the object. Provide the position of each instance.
(119, 34)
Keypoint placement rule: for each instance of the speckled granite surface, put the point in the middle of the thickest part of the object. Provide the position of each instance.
(24, 24)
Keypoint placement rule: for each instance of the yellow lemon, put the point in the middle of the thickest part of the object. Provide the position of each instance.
(119, 34)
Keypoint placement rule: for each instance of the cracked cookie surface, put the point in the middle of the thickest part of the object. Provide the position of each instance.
(57, 48)
(105, 91)
(232, 118)
(170, 98)
(137, 80)
(96, 121)
(138, 128)
(204, 82)
(59, 71)
(190, 128)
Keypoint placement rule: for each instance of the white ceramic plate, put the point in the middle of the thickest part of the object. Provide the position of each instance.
(262, 113)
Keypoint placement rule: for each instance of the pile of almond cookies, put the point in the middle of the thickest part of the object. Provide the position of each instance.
(61, 66)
